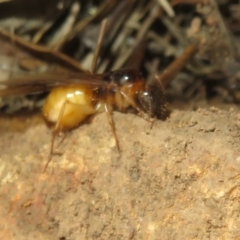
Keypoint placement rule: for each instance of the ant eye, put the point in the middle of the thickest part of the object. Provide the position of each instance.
(124, 79)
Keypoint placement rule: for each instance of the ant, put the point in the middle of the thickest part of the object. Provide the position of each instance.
(74, 97)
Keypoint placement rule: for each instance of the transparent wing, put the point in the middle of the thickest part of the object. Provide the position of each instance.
(38, 83)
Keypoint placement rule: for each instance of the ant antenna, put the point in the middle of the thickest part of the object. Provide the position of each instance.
(99, 44)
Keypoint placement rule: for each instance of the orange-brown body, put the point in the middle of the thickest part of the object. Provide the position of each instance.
(69, 106)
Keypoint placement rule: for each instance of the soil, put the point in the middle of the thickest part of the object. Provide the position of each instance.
(178, 180)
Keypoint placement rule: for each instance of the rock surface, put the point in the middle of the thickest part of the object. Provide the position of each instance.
(180, 180)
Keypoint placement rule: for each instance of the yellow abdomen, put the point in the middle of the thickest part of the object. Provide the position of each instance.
(68, 106)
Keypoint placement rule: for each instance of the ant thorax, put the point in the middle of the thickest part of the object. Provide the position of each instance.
(123, 87)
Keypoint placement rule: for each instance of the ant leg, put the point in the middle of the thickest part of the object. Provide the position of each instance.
(111, 122)
(152, 122)
(57, 127)
(62, 140)
(55, 132)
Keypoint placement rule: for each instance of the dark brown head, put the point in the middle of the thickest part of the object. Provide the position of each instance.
(153, 100)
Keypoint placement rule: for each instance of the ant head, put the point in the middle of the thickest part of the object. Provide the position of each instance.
(153, 100)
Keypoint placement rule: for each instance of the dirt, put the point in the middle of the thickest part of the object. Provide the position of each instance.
(180, 180)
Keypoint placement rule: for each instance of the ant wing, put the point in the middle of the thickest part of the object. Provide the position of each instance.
(45, 82)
